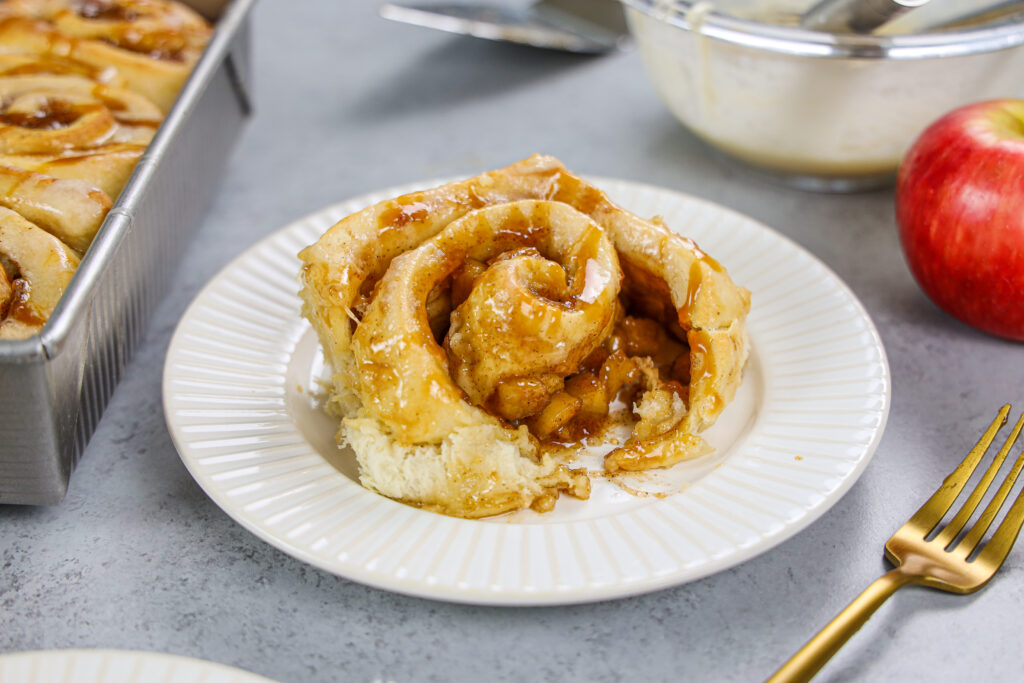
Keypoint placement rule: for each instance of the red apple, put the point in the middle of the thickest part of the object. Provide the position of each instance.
(960, 210)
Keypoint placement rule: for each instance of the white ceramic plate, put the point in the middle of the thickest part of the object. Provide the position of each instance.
(115, 666)
(241, 385)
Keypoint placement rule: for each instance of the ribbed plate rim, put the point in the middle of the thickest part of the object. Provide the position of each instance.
(104, 665)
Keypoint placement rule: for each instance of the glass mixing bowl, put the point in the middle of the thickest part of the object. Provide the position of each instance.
(815, 110)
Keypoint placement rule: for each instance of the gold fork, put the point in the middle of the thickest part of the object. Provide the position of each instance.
(940, 562)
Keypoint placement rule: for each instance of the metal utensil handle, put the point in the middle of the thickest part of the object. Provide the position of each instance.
(811, 657)
(855, 16)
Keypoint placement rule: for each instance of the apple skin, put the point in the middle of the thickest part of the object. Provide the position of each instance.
(960, 211)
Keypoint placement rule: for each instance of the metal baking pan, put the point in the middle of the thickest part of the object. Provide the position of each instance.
(54, 386)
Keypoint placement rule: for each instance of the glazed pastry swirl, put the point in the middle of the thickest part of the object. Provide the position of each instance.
(24, 64)
(49, 116)
(520, 302)
(55, 114)
(35, 268)
(546, 303)
(67, 145)
(71, 210)
(152, 44)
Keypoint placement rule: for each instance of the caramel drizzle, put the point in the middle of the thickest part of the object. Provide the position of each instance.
(19, 305)
(54, 115)
(104, 11)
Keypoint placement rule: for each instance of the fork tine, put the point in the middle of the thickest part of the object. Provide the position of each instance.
(996, 550)
(948, 534)
(976, 534)
(932, 511)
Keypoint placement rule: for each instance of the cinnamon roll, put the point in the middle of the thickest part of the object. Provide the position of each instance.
(68, 126)
(35, 268)
(471, 326)
(152, 44)
(71, 210)
(23, 64)
(67, 145)
(55, 114)
(106, 167)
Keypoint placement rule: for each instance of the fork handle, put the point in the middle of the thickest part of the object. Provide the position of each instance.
(811, 657)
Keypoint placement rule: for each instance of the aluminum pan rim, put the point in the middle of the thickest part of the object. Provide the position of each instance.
(801, 42)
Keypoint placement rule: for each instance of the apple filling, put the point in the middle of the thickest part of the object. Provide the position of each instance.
(639, 374)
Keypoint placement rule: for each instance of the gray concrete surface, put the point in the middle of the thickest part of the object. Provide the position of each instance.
(137, 557)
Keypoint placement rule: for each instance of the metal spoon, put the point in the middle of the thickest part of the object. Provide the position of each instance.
(855, 16)
(943, 16)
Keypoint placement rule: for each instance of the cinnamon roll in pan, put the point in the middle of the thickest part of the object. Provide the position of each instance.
(71, 210)
(106, 167)
(35, 268)
(71, 127)
(84, 85)
(67, 146)
(54, 114)
(152, 44)
(24, 64)
(472, 326)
